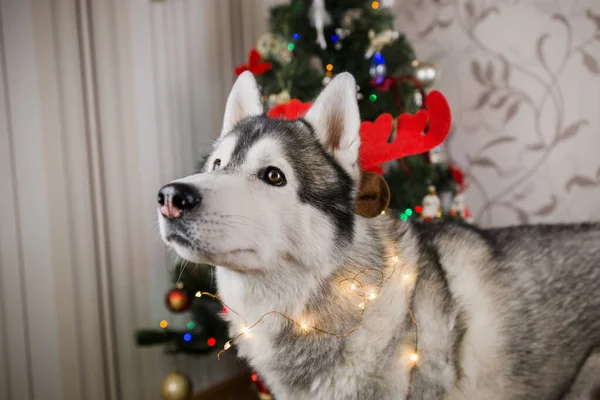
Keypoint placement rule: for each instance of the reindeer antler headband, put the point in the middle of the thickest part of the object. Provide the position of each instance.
(415, 134)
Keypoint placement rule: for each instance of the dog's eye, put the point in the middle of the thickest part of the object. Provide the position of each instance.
(216, 164)
(274, 176)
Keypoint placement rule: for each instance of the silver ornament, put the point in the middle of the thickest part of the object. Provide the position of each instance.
(418, 99)
(342, 33)
(316, 63)
(266, 44)
(285, 55)
(377, 70)
(426, 73)
(348, 18)
(320, 18)
(359, 95)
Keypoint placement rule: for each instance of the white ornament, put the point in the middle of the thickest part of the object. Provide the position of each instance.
(459, 207)
(418, 98)
(359, 95)
(279, 98)
(436, 155)
(320, 19)
(431, 206)
(379, 41)
(342, 33)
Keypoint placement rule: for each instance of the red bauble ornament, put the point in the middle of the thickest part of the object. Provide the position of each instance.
(177, 300)
(263, 391)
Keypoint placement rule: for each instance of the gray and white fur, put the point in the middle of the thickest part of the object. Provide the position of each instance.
(509, 313)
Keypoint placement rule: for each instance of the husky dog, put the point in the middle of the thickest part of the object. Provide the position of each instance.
(508, 313)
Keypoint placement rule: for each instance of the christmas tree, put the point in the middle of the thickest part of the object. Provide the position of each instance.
(206, 331)
(312, 40)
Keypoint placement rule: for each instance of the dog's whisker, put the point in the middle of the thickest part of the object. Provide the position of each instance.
(183, 266)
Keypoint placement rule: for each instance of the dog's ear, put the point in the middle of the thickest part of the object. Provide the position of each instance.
(373, 195)
(243, 101)
(336, 120)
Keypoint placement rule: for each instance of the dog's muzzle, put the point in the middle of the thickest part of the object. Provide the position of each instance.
(176, 198)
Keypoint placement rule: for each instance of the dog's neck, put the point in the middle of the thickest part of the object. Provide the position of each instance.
(295, 289)
(323, 305)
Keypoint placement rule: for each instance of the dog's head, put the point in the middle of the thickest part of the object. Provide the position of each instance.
(271, 190)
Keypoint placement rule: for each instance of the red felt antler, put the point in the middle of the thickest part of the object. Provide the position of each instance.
(292, 110)
(410, 137)
(410, 131)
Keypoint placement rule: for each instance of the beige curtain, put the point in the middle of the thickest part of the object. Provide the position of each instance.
(101, 102)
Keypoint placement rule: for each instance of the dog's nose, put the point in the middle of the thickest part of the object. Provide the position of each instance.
(175, 198)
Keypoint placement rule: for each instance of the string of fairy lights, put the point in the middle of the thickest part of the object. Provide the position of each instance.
(352, 286)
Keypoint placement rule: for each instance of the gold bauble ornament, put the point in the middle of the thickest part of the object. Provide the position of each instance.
(176, 386)
(279, 98)
(425, 72)
(349, 17)
(285, 56)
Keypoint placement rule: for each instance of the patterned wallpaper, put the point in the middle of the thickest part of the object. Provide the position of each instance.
(523, 80)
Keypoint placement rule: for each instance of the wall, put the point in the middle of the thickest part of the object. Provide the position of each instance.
(523, 80)
(101, 102)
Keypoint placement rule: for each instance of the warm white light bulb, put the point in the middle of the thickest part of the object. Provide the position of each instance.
(406, 276)
(353, 286)
(244, 329)
(361, 306)
(304, 326)
(372, 296)
(414, 357)
(227, 345)
(395, 259)
(198, 294)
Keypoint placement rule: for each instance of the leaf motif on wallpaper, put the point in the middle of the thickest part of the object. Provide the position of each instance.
(563, 20)
(484, 162)
(428, 29)
(571, 130)
(484, 98)
(535, 147)
(470, 9)
(511, 111)
(444, 24)
(477, 72)
(590, 62)
(594, 17)
(489, 72)
(520, 196)
(431, 27)
(506, 69)
(546, 209)
(540, 51)
(522, 215)
(495, 142)
(486, 13)
(500, 101)
(581, 181)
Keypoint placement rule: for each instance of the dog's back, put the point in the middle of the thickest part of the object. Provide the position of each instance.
(535, 305)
